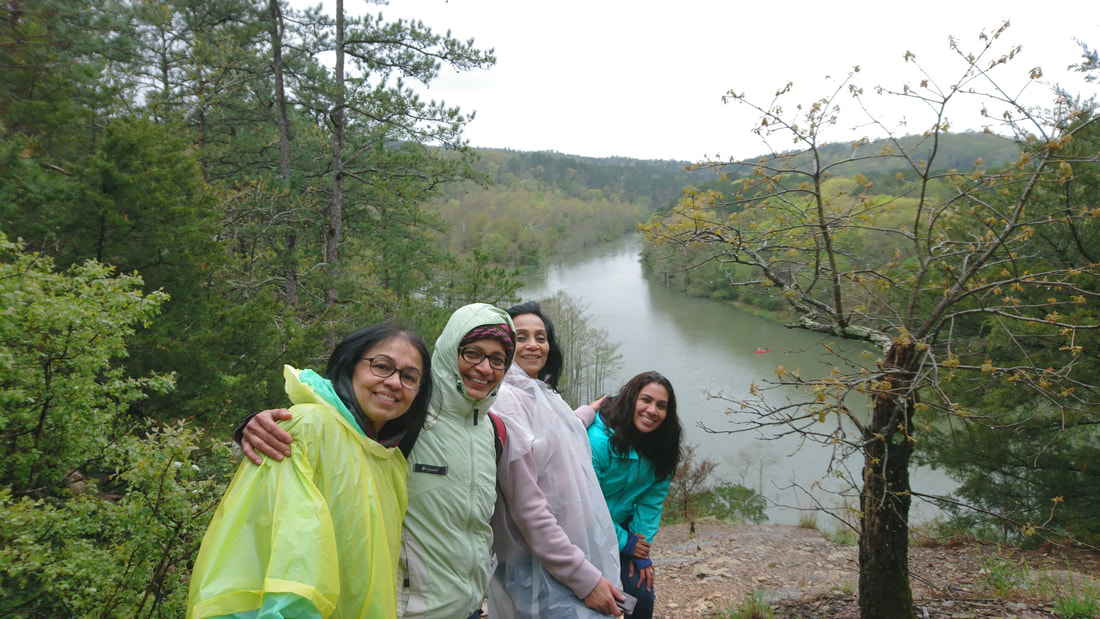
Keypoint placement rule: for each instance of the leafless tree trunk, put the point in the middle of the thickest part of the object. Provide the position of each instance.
(336, 206)
(290, 272)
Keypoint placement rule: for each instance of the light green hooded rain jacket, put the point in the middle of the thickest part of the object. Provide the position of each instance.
(447, 539)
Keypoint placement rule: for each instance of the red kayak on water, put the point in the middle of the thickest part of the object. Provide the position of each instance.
(760, 350)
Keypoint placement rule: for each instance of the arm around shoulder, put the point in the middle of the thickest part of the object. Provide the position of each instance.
(261, 434)
(586, 414)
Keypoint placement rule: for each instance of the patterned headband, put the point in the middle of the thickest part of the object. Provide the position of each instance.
(499, 332)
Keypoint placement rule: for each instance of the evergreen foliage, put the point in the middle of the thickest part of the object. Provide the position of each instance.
(731, 502)
(100, 511)
(1039, 462)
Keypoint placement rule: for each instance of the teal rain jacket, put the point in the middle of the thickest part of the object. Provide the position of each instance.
(315, 536)
(630, 485)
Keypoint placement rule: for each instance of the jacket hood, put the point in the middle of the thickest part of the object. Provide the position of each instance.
(450, 397)
(311, 388)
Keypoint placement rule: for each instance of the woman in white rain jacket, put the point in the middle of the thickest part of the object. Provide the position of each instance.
(553, 534)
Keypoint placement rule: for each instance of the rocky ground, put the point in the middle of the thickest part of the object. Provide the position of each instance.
(802, 574)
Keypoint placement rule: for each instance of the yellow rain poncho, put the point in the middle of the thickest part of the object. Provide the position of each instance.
(317, 535)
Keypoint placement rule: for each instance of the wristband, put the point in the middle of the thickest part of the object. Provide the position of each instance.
(631, 542)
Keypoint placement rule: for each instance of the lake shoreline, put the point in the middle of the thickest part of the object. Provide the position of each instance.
(705, 346)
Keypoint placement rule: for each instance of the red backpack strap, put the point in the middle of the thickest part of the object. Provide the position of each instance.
(499, 433)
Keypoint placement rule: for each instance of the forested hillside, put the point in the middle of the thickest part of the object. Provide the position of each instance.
(880, 171)
(538, 205)
(881, 161)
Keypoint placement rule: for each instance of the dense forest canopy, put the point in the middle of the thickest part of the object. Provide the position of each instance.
(538, 205)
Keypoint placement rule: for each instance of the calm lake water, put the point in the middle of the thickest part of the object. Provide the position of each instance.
(700, 345)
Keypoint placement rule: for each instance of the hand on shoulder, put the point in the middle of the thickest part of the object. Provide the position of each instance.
(262, 434)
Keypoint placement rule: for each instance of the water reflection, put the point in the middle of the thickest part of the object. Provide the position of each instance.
(703, 345)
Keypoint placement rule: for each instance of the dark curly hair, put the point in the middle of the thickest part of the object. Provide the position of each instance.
(662, 446)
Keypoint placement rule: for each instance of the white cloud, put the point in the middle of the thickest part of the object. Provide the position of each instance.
(645, 79)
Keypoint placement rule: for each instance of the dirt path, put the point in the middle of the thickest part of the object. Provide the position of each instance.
(805, 575)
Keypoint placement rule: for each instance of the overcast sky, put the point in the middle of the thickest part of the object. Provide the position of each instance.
(645, 79)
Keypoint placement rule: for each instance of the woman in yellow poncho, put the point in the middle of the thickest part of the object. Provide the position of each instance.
(321, 538)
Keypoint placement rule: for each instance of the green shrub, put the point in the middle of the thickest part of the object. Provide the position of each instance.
(1003, 574)
(736, 503)
(844, 536)
(101, 513)
(1077, 607)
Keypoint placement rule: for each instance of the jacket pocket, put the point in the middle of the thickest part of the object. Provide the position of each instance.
(412, 574)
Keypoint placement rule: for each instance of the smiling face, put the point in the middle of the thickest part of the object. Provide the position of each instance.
(480, 379)
(650, 408)
(385, 399)
(532, 344)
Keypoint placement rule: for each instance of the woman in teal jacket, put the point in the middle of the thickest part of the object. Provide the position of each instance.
(636, 445)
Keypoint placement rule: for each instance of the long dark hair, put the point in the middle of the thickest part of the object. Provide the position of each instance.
(661, 446)
(341, 367)
(551, 372)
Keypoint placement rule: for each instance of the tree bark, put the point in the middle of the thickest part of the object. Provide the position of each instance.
(290, 269)
(884, 588)
(332, 232)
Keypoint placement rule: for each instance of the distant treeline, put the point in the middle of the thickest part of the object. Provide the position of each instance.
(540, 204)
(852, 178)
(958, 151)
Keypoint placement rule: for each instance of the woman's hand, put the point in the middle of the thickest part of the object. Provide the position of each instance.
(262, 434)
(598, 403)
(641, 549)
(645, 577)
(603, 598)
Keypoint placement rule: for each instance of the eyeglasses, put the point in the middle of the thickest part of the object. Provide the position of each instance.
(383, 367)
(474, 356)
